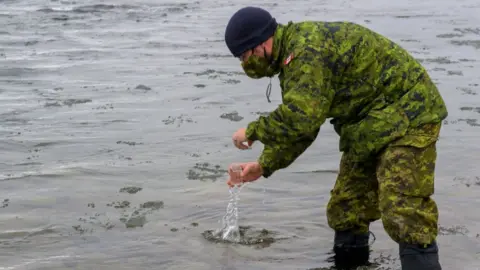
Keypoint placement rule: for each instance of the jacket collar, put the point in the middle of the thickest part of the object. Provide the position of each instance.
(278, 46)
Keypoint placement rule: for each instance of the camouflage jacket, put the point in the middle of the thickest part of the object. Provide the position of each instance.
(373, 90)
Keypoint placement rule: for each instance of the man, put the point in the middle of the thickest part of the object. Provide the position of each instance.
(382, 103)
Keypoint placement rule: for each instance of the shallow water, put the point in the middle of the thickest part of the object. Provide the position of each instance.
(116, 124)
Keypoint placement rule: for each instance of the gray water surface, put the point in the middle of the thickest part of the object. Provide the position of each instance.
(116, 125)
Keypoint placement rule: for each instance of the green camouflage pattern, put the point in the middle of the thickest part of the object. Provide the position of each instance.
(371, 88)
(395, 186)
(287, 153)
(353, 201)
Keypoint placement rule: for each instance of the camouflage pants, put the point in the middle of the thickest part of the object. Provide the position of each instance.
(396, 186)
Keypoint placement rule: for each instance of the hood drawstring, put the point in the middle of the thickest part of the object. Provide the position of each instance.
(269, 87)
(269, 90)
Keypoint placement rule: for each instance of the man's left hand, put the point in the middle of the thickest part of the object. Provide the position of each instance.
(250, 171)
(239, 138)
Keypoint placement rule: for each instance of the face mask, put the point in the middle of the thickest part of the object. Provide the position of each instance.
(258, 67)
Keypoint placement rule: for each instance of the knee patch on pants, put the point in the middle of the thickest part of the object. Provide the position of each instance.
(405, 176)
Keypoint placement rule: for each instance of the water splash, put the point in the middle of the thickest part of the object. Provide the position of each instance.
(230, 230)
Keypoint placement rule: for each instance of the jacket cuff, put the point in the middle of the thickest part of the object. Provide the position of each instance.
(267, 172)
(250, 132)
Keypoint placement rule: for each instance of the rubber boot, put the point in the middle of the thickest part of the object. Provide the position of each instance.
(351, 250)
(419, 257)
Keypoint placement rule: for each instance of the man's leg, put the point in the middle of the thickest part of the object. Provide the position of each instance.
(409, 214)
(352, 207)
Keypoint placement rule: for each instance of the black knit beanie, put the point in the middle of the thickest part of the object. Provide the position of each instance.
(247, 28)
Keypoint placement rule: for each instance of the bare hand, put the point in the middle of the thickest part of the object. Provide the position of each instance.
(239, 138)
(251, 171)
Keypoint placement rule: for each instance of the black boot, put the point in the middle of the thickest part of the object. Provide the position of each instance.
(418, 257)
(351, 250)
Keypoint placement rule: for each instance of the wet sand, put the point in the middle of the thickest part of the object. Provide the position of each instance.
(116, 125)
